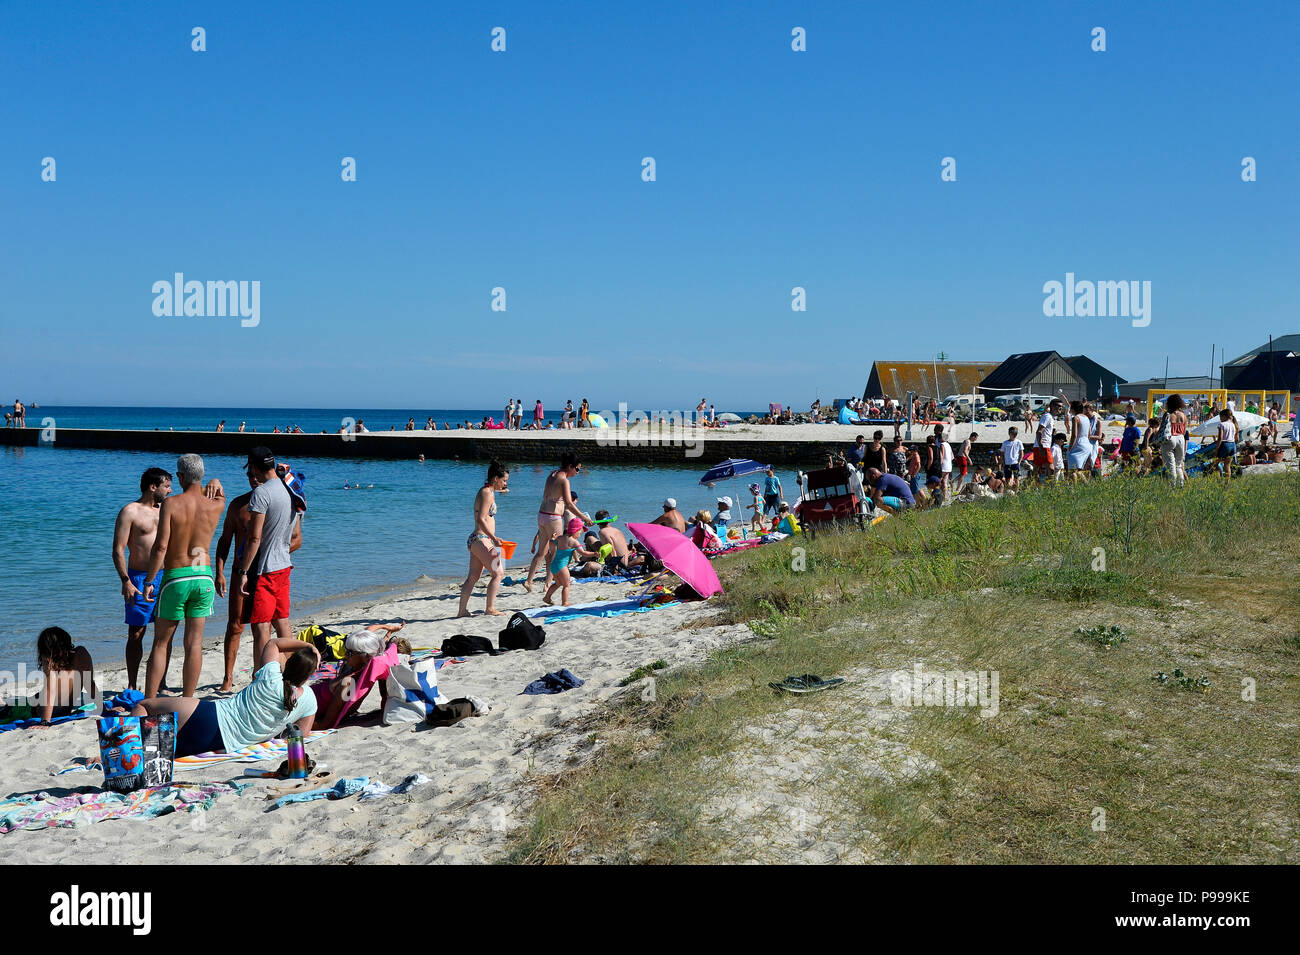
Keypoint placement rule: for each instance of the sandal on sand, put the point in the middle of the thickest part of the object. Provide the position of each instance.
(807, 683)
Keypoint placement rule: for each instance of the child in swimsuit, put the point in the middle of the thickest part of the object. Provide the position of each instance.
(561, 553)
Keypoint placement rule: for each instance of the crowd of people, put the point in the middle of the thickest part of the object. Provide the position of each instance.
(1066, 441)
(17, 418)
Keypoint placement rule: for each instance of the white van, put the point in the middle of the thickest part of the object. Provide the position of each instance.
(1035, 402)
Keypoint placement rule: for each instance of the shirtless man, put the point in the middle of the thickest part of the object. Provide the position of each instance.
(623, 558)
(557, 502)
(20, 414)
(133, 537)
(235, 529)
(671, 517)
(186, 524)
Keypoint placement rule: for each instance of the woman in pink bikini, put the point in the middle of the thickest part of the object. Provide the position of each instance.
(557, 501)
(483, 542)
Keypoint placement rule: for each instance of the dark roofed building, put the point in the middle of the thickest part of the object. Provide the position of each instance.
(1095, 376)
(1283, 343)
(1034, 373)
(1267, 371)
(1187, 385)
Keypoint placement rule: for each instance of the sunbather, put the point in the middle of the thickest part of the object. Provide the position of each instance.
(371, 651)
(277, 696)
(68, 674)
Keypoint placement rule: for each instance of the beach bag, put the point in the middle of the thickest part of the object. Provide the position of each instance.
(461, 645)
(1161, 435)
(412, 692)
(521, 634)
(328, 642)
(137, 752)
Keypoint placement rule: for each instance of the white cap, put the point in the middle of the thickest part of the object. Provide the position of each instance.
(670, 503)
(726, 501)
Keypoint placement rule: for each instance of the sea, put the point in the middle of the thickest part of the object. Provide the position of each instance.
(371, 525)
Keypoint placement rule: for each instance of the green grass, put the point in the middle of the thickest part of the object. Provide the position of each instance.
(1200, 580)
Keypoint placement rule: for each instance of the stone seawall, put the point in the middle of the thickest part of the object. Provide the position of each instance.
(513, 446)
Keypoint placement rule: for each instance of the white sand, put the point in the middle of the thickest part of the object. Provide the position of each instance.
(480, 769)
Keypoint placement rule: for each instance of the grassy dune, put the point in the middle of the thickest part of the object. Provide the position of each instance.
(1089, 759)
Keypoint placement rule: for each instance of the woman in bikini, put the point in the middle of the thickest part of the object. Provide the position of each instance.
(483, 541)
(557, 501)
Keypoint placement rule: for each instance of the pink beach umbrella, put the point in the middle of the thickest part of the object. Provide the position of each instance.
(679, 555)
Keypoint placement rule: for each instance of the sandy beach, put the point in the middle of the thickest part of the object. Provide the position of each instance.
(480, 770)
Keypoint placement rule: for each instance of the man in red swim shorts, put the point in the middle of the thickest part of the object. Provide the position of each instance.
(1043, 439)
(262, 574)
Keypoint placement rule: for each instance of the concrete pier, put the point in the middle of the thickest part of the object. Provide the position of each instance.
(786, 446)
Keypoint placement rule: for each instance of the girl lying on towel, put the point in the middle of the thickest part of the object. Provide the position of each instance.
(277, 696)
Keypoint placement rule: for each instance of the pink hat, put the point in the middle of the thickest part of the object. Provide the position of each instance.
(575, 525)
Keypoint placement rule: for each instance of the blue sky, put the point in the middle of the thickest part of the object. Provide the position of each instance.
(522, 170)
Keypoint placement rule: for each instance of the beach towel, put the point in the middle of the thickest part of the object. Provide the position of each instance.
(28, 722)
(126, 700)
(42, 811)
(377, 790)
(556, 682)
(596, 608)
(267, 749)
(340, 790)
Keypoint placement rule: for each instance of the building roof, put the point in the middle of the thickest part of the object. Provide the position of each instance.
(1091, 372)
(1282, 373)
(1194, 384)
(1283, 343)
(1017, 369)
(896, 378)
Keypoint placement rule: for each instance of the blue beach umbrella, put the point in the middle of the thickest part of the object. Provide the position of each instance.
(731, 468)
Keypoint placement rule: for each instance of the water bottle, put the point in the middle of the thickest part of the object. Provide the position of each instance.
(297, 753)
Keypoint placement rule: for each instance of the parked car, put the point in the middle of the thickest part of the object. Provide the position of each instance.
(1018, 403)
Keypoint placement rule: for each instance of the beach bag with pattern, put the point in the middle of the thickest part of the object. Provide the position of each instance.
(328, 642)
(412, 692)
(137, 752)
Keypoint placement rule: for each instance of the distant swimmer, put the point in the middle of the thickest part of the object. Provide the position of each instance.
(133, 539)
(186, 523)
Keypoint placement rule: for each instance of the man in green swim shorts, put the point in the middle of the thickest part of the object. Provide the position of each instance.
(182, 551)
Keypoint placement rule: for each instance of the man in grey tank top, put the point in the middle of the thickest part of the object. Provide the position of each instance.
(264, 567)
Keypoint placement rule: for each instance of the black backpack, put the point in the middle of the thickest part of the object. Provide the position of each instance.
(521, 634)
(462, 645)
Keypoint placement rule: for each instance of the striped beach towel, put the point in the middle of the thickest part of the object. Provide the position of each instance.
(268, 749)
